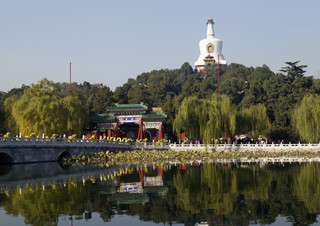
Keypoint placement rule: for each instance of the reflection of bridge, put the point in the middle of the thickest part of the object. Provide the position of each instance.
(30, 176)
(23, 150)
(45, 174)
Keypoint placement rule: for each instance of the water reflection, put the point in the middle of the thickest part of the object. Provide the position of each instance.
(215, 193)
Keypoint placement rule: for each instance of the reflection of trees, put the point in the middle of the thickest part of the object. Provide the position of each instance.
(204, 188)
(102, 206)
(212, 193)
(212, 187)
(248, 194)
(307, 186)
(42, 207)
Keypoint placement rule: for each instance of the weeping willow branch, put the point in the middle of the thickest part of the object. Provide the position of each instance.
(206, 119)
(306, 118)
(42, 110)
(254, 119)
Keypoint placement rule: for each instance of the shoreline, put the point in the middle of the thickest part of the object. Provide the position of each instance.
(129, 157)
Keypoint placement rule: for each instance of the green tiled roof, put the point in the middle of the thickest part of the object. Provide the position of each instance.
(102, 117)
(128, 107)
(141, 108)
(154, 115)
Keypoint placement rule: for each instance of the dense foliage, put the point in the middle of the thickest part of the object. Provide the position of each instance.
(273, 95)
(41, 109)
(306, 118)
(253, 120)
(206, 119)
(263, 100)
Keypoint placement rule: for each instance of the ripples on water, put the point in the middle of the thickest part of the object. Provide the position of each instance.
(212, 194)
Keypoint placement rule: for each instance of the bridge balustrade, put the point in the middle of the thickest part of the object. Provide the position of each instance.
(245, 147)
(27, 141)
(152, 145)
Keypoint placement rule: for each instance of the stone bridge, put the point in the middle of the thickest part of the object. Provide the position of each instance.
(28, 150)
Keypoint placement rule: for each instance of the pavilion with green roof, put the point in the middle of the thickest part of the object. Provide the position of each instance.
(136, 121)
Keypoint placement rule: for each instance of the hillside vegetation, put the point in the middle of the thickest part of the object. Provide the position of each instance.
(254, 101)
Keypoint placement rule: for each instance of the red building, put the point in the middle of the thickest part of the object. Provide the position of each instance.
(136, 121)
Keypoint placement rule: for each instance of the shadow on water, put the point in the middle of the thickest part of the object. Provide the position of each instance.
(5, 169)
(5, 159)
(42, 173)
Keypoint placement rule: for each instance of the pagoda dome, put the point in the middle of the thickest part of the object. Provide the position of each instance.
(210, 45)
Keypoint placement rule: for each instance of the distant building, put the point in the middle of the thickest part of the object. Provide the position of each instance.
(136, 121)
(210, 49)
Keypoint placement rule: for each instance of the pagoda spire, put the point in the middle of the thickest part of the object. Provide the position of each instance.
(210, 24)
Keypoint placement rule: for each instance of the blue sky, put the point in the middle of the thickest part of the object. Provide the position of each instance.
(111, 41)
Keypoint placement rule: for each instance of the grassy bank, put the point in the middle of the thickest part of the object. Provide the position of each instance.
(148, 157)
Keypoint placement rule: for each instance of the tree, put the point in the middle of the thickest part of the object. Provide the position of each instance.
(2, 117)
(42, 110)
(306, 118)
(102, 100)
(9, 122)
(76, 115)
(221, 119)
(186, 69)
(260, 73)
(86, 91)
(234, 88)
(138, 94)
(254, 119)
(206, 119)
(89, 91)
(121, 93)
(188, 118)
(293, 71)
(247, 101)
(256, 89)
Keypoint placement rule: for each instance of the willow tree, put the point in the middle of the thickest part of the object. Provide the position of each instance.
(9, 122)
(306, 118)
(42, 110)
(253, 119)
(221, 119)
(206, 119)
(188, 118)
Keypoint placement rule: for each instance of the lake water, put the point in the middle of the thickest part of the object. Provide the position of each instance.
(168, 194)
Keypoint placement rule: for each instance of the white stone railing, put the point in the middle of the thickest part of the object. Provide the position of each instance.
(245, 147)
(5, 141)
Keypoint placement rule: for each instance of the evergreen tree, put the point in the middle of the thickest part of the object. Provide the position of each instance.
(139, 94)
(102, 100)
(293, 70)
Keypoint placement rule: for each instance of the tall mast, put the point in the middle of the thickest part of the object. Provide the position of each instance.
(218, 80)
(70, 76)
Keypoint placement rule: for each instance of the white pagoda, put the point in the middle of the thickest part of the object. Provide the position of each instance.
(210, 49)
